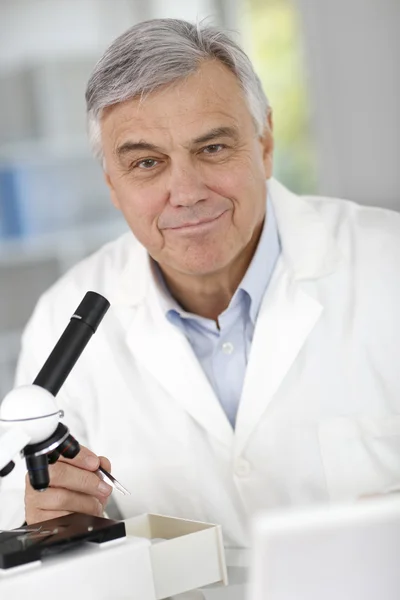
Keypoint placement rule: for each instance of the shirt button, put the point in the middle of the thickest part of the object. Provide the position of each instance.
(227, 348)
(242, 468)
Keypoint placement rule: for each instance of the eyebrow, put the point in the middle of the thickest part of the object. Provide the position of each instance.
(211, 135)
(127, 147)
(217, 132)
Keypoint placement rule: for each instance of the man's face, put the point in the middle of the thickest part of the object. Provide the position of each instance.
(187, 169)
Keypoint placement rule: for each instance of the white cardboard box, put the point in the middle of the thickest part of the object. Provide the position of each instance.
(160, 557)
(185, 555)
(117, 570)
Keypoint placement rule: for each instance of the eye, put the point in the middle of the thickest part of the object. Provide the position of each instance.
(213, 148)
(146, 164)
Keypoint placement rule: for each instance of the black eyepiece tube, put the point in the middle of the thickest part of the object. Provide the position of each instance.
(72, 342)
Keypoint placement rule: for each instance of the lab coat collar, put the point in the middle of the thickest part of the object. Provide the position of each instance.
(135, 277)
(308, 247)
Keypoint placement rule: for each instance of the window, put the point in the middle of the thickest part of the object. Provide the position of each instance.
(272, 38)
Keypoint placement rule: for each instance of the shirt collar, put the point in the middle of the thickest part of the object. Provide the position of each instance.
(255, 280)
(259, 272)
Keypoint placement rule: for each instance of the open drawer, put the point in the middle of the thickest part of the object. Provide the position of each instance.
(184, 555)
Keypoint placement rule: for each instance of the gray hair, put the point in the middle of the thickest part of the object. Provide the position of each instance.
(158, 52)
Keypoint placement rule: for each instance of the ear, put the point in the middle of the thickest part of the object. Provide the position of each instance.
(267, 142)
(113, 195)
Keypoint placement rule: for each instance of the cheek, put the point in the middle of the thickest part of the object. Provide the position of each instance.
(243, 173)
(245, 185)
(141, 210)
(227, 183)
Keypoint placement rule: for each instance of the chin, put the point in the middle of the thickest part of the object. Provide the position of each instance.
(200, 259)
(201, 267)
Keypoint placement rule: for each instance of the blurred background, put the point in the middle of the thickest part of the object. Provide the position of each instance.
(330, 70)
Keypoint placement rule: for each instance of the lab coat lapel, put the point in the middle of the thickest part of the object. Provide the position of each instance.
(165, 352)
(288, 313)
(286, 318)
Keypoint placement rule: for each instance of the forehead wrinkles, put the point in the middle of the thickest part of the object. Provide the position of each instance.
(177, 111)
(170, 132)
(210, 89)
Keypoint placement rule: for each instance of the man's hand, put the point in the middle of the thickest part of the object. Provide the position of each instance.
(74, 487)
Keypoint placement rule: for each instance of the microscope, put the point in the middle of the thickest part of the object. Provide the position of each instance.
(30, 425)
(146, 557)
(29, 414)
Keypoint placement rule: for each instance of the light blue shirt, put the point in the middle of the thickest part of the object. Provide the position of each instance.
(223, 353)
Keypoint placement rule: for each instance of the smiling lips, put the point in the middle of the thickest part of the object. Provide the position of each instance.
(193, 224)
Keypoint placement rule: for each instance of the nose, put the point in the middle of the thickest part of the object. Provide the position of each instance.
(187, 186)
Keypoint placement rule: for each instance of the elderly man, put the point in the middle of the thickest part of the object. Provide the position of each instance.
(249, 358)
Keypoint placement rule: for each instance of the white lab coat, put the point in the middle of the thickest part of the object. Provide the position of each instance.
(319, 416)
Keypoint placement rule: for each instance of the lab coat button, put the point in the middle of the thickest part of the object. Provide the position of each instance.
(227, 348)
(242, 468)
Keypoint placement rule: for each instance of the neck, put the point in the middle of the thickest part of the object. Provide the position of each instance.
(209, 295)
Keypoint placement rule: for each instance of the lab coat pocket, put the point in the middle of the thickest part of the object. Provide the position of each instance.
(360, 455)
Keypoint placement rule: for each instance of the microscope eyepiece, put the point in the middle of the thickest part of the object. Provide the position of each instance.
(92, 310)
(72, 342)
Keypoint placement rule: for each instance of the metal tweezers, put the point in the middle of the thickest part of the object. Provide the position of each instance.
(108, 478)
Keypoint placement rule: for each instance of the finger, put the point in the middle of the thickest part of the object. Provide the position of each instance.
(68, 476)
(105, 463)
(59, 499)
(85, 459)
(39, 507)
(37, 516)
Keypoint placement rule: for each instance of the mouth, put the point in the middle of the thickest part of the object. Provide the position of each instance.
(201, 225)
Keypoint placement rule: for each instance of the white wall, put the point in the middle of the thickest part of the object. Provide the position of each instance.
(353, 51)
(37, 30)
